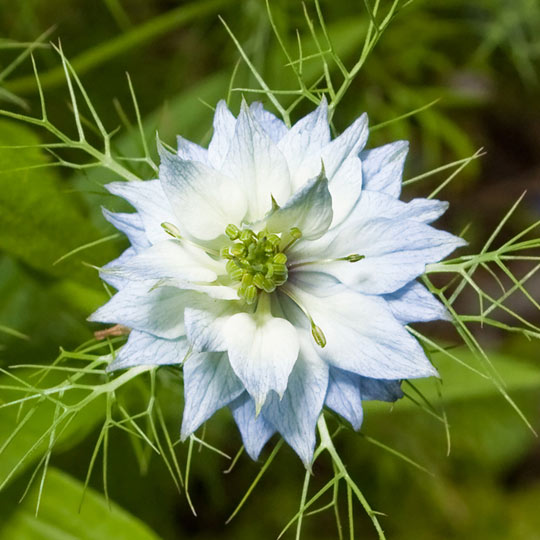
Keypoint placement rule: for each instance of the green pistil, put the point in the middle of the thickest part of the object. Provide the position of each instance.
(255, 260)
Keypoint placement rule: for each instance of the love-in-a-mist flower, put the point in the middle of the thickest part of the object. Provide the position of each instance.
(279, 268)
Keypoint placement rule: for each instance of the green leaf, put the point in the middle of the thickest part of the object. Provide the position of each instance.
(40, 221)
(59, 517)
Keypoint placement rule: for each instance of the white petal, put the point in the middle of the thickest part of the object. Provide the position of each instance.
(363, 336)
(209, 385)
(204, 200)
(304, 141)
(295, 415)
(255, 430)
(224, 125)
(205, 320)
(159, 311)
(383, 167)
(189, 151)
(150, 202)
(309, 209)
(131, 225)
(257, 165)
(169, 259)
(262, 352)
(414, 303)
(274, 127)
(345, 188)
(144, 349)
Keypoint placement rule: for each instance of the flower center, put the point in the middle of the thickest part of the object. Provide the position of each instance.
(256, 260)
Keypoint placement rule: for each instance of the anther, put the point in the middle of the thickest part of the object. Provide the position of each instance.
(232, 231)
(318, 335)
(171, 229)
(354, 257)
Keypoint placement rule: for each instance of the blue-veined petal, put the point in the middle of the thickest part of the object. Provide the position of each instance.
(143, 349)
(309, 209)
(224, 126)
(262, 351)
(131, 225)
(295, 415)
(150, 202)
(255, 429)
(204, 200)
(257, 166)
(363, 336)
(140, 306)
(414, 303)
(209, 385)
(274, 127)
(383, 167)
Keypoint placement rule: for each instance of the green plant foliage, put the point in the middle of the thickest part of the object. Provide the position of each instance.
(61, 515)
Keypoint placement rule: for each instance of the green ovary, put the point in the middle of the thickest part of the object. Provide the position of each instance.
(256, 261)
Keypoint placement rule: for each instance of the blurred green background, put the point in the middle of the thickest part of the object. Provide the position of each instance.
(480, 60)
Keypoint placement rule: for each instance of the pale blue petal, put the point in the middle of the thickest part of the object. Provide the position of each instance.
(144, 349)
(131, 225)
(309, 209)
(414, 303)
(346, 188)
(274, 126)
(150, 202)
(395, 252)
(118, 282)
(372, 205)
(167, 259)
(348, 144)
(205, 320)
(257, 166)
(197, 194)
(209, 385)
(304, 142)
(380, 389)
(383, 167)
(363, 336)
(137, 305)
(346, 391)
(344, 396)
(189, 151)
(224, 126)
(255, 430)
(295, 415)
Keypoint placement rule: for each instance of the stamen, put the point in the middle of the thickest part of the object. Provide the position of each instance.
(354, 257)
(316, 331)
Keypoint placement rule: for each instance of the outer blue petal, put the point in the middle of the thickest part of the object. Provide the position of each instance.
(131, 225)
(344, 396)
(118, 282)
(209, 385)
(144, 349)
(295, 415)
(255, 430)
(414, 303)
(157, 311)
(346, 391)
(383, 167)
(189, 151)
(150, 202)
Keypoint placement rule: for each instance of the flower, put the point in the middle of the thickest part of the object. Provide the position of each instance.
(279, 267)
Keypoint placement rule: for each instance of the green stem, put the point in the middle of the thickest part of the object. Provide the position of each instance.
(328, 445)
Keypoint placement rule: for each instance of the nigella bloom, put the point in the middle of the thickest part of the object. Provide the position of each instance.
(279, 267)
